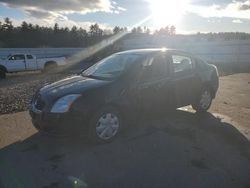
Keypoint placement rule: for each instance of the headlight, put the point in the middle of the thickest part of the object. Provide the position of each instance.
(63, 104)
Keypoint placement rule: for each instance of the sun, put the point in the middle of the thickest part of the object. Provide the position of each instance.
(167, 12)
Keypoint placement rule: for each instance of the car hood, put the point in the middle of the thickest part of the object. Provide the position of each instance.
(70, 85)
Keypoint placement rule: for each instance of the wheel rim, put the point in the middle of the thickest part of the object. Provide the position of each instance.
(107, 126)
(205, 99)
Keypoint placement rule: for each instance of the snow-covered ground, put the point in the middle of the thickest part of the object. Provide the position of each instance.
(235, 51)
(40, 52)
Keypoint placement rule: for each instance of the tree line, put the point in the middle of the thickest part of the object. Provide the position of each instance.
(28, 35)
(32, 35)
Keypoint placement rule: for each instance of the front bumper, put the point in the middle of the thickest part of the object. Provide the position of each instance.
(60, 124)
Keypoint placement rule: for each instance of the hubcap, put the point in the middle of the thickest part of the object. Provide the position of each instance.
(205, 99)
(107, 126)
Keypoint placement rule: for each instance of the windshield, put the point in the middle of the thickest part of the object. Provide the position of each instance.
(111, 67)
(8, 56)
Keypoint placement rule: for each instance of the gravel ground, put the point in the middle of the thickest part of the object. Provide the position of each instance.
(17, 90)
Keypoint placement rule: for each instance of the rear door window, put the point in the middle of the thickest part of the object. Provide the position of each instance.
(182, 64)
(29, 57)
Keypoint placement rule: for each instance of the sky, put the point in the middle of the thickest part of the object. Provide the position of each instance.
(189, 16)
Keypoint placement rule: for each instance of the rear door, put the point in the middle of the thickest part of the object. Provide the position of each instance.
(31, 62)
(16, 63)
(154, 84)
(185, 80)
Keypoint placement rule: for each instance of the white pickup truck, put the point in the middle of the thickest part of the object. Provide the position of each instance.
(28, 62)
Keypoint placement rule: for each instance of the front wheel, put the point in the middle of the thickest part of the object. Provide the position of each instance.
(105, 125)
(2, 74)
(204, 101)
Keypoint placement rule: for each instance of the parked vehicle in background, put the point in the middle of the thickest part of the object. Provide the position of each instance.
(27, 62)
(123, 85)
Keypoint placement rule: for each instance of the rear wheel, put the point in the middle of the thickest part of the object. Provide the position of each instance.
(105, 125)
(204, 101)
(2, 74)
(50, 66)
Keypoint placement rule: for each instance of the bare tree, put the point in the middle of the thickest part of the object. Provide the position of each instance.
(172, 30)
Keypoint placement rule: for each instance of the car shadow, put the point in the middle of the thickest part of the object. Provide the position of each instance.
(180, 149)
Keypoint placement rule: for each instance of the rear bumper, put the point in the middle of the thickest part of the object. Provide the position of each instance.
(214, 80)
(60, 124)
(215, 85)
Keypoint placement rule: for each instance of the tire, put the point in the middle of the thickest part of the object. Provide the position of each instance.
(204, 100)
(49, 67)
(105, 125)
(2, 74)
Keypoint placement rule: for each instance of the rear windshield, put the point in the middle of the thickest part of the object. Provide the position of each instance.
(201, 65)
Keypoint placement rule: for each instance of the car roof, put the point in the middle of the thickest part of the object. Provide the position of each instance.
(152, 50)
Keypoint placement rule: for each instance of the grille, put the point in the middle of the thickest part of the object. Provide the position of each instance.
(39, 103)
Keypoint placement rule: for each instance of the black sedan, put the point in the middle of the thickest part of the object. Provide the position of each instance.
(124, 85)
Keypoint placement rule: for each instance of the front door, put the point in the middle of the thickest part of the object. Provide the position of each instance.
(154, 85)
(16, 63)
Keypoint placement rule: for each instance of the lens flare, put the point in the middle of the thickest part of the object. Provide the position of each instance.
(87, 52)
(167, 12)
